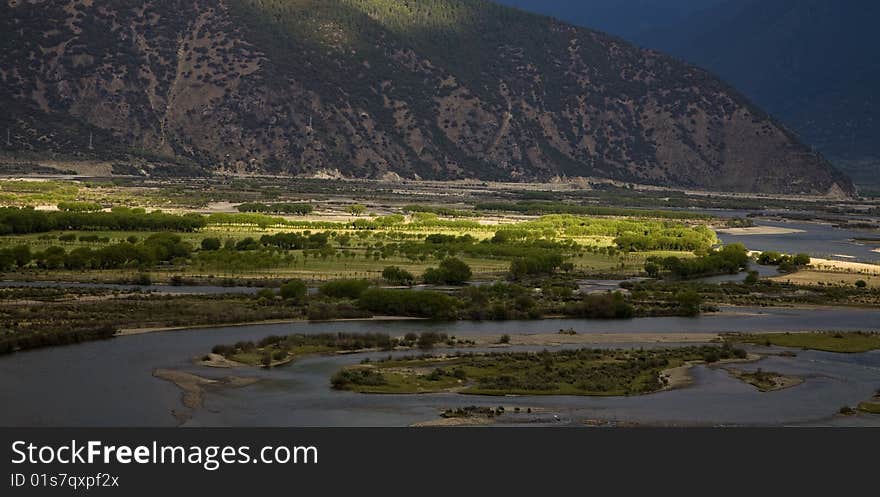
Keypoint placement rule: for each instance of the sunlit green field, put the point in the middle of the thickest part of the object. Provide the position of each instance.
(355, 261)
(609, 245)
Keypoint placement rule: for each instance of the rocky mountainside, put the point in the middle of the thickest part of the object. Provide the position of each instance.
(810, 63)
(439, 89)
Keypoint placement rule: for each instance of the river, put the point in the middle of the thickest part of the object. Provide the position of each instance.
(110, 383)
(817, 239)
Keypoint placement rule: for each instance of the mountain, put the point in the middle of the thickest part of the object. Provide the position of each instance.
(439, 89)
(633, 20)
(809, 63)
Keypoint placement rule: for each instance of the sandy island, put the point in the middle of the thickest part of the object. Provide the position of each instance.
(194, 386)
(772, 382)
(448, 422)
(760, 230)
(558, 339)
(844, 266)
(680, 377)
(835, 278)
(218, 361)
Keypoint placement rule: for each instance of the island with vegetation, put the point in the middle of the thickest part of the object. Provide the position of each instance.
(275, 350)
(839, 342)
(871, 406)
(589, 372)
(765, 381)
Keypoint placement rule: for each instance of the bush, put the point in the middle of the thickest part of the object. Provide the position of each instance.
(537, 264)
(690, 302)
(711, 357)
(294, 290)
(209, 244)
(364, 377)
(861, 284)
(397, 276)
(769, 258)
(432, 305)
(428, 339)
(265, 293)
(356, 210)
(344, 289)
(801, 260)
(751, 278)
(247, 244)
(452, 271)
(224, 350)
(729, 259)
(785, 262)
(601, 306)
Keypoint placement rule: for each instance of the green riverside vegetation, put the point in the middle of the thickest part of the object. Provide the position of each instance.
(275, 350)
(729, 259)
(841, 342)
(541, 208)
(598, 372)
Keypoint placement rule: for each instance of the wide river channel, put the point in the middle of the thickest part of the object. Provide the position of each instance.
(110, 383)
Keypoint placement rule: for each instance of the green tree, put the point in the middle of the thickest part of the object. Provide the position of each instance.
(209, 244)
(356, 210)
(452, 271)
(801, 260)
(21, 254)
(294, 290)
(751, 278)
(768, 258)
(397, 276)
(344, 289)
(690, 302)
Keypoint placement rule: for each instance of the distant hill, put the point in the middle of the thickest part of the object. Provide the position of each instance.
(810, 63)
(440, 89)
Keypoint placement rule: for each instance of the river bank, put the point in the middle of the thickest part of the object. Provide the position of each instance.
(162, 329)
(127, 394)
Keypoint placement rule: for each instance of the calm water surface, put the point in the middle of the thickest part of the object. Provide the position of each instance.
(819, 240)
(110, 383)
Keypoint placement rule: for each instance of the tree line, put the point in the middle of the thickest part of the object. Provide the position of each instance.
(155, 249)
(729, 259)
(26, 220)
(299, 209)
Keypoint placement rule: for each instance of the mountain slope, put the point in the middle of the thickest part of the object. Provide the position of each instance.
(441, 89)
(633, 20)
(811, 63)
